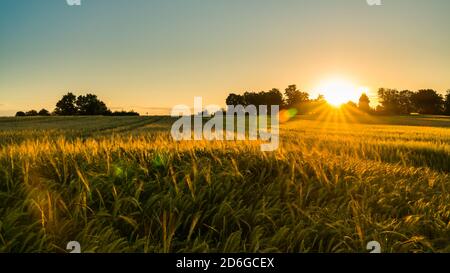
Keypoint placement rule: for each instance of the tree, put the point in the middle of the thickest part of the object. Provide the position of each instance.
(321, 99)
(31, 113)
(253, 98)
(406, 105)
(90, 105)
(364, 103)
(20, 114)
(267, 98)
(447, 104)
(234, 100)
(294, 97)
(350, 105)
(274, 97)
(66, 106)
(428, 101)
(394, 102)
(122, 113)
(316, 106)
(389, 101)
(44, 112)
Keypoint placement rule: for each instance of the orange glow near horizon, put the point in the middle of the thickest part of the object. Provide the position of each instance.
(133, 58)
(339, 91)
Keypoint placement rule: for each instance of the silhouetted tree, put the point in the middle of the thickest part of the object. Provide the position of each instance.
(389, 100)
(66, 106)
(31, 113)
(269, 98)
(447, 104)
(406, 105)
(20, 114)
(294, 97)
(123, 113)
(274, 97)
(90, 105)
(44, 112)
(253, 98)
(364, 103)
(428, 101)
(234, 100)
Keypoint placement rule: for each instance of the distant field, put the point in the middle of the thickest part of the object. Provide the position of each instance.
(120, 184)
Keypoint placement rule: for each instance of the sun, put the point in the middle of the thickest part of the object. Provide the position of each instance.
(340, 91)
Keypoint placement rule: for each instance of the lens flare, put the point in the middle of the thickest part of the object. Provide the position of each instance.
(286, 115)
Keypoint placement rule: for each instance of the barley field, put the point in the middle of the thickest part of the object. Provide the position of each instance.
(120, 184)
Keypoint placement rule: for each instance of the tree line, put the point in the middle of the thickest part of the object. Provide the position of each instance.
(83, 105)
(391, 101)
(292, 98)
(424, 101)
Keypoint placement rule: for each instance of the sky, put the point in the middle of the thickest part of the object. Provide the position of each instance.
(149, 55)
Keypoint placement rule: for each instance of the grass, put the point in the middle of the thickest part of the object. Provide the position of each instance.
(122, 185)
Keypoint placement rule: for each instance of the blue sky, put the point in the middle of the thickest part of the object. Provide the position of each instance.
(149, 55)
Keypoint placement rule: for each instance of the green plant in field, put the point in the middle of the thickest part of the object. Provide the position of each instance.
(122, 185)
